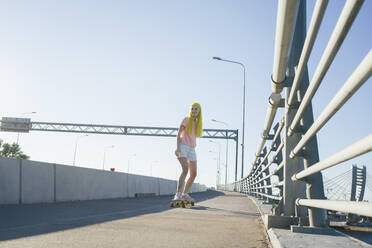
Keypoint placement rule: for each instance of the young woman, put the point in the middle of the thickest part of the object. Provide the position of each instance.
(191, 127)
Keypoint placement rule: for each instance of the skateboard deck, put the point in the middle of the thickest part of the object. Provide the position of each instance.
(181, 203)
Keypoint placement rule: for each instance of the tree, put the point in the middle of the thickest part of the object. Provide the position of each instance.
(12, 151)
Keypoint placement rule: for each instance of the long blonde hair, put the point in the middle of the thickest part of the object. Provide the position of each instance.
(199, 124)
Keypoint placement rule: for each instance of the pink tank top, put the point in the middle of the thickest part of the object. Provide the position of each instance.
(188, 139)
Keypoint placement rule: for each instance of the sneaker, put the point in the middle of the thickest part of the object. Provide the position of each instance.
(187, 197)
(177, 196)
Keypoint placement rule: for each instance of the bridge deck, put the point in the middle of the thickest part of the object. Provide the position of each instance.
(218, 220)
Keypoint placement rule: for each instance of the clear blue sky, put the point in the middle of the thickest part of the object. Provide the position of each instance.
(143, 62)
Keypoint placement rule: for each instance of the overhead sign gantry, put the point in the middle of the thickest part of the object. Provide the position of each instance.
(25, 125)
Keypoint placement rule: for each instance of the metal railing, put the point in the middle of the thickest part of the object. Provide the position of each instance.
(296, 181)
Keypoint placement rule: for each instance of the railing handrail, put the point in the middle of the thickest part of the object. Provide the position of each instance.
(258, 181)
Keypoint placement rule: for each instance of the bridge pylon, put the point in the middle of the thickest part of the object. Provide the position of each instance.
(358, 184)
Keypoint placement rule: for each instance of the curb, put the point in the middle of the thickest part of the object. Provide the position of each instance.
(270, 234)
(275, 237)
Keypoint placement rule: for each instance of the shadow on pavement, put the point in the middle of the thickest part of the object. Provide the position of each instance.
(224, 210)
(18, 221)
(366, 237)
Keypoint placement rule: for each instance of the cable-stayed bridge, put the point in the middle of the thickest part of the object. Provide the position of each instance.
(284, 181)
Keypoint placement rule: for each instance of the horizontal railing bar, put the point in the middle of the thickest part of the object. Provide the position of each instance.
(267, 176)
(342, 27)
(277, 185)
(362, 146)
(355, 81)
(264, 178)
(273, 159)
(276, 135)
(255, 177)
(269, 196)
(274, 102)
(316, 20)
(260, 146)
(278, 131)
(359, 208)
(281, 165)
(271, 174)
(285, 22)
(262, 161)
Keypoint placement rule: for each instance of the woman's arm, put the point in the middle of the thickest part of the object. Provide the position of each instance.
(179, 140)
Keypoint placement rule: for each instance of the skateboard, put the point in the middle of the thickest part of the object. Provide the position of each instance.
(181, 203)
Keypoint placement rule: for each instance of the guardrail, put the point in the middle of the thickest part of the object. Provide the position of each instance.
(297, 179)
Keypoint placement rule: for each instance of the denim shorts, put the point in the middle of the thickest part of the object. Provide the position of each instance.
(188, 152)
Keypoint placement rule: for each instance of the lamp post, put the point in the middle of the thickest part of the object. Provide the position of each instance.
(241, 64)
(129, 161)
(218, 170)
(76, 143)
(227, 147)
(219, 157)
(104, 155)
(28, 113)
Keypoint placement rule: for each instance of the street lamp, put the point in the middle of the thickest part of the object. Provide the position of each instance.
(219, 157)
(218, 170)
(241, 64)
(76, 143)
(28, 113)
(129, 160)
(219, 153)
(104, 155)
(227, 147)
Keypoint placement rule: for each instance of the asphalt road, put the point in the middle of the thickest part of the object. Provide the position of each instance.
(218, 219)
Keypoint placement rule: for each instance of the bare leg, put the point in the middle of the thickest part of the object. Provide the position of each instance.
(181, 181)
(192, 167)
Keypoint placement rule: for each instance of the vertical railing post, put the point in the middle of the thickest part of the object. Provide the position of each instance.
(257, 179)
(267, 181)
(293, 190)
(262, 183)
(314, 183)
(250, 186)
(278, 160)
(243, 186)
(253, 183)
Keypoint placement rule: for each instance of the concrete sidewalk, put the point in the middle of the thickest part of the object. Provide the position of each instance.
(218, 220)
(284, 238)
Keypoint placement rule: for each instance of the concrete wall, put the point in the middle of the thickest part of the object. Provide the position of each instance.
(76, 183)
(26, 181)
(10, 171)
(37, 182)
(167, 187)
(142, 184)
